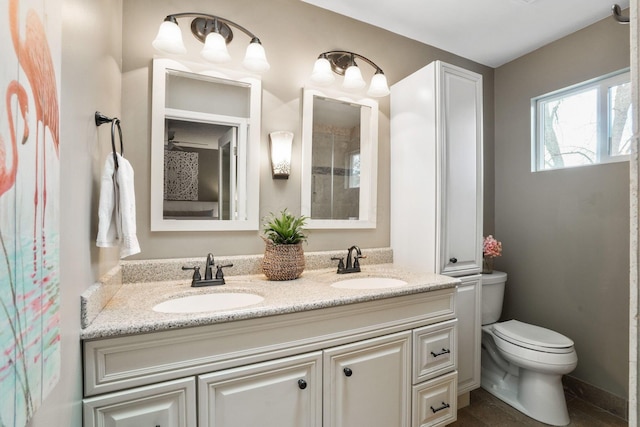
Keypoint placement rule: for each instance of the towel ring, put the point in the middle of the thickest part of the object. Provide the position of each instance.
(115, 122)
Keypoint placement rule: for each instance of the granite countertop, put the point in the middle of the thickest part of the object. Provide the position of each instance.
(130, 310)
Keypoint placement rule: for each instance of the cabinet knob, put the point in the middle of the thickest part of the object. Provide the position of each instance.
(453, 260)
(302, 384)
(347, 371)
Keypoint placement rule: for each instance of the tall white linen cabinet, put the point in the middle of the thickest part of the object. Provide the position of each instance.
(436, 191)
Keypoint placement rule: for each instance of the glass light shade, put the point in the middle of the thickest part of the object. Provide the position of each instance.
(280, 144)
(255, 58)
(322, 74)
(378, 87)
(353, 79)
(169, 39)
(215, 48)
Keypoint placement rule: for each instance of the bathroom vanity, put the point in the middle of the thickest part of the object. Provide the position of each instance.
(309, 354)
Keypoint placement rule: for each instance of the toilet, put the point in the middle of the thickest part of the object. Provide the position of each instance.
(523, 364)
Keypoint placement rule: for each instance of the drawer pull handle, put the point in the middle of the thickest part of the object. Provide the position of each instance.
(444, 406)
(453, 260)
(348, 372)
(302, 384)
(441, 353)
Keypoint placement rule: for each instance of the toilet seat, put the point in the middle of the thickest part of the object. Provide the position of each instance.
(533, 337)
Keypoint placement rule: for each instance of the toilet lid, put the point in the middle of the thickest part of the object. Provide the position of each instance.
(533, 337)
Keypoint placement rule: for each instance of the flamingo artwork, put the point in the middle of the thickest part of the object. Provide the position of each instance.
(8, 173)
(30, 357)
(9, 162)
(35, 60)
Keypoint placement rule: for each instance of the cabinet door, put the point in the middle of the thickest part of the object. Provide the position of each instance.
(281, 393)
(468, 312)
(461, 158)
(367, 383)
(169, 404)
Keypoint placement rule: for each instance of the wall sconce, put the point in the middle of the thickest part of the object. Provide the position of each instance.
(280, 144)
(343, 63)
(215, 33)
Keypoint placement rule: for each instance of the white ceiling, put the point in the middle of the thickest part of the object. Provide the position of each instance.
(491, 32)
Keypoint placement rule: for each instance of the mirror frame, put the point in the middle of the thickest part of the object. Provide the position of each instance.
(369, 163)
(159, 112)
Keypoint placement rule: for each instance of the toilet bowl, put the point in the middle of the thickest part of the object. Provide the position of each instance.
(523, 364)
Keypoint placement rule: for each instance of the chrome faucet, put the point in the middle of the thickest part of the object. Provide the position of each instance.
(353, 263)
(209, 279)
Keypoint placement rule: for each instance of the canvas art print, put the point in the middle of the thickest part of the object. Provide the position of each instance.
(29, 211)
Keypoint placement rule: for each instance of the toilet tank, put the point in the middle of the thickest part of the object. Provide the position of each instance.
(492, 296)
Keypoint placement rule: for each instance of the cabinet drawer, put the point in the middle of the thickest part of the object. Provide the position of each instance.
(168, 404)
(435, 402)
(434, 350)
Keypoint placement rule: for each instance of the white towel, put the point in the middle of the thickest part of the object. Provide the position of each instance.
(117, 208)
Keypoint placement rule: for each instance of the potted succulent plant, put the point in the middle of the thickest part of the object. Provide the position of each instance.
(283, 255)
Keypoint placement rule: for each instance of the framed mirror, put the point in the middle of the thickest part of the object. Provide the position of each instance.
(205, 137)
(339, 161)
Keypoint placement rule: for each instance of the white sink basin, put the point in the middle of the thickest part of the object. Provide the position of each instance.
(369, 283)
(208, 302)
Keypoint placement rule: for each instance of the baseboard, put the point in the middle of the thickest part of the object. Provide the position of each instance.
(464, 399)
(611, 403)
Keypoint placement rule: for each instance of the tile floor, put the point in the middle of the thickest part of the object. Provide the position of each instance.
(486, 410)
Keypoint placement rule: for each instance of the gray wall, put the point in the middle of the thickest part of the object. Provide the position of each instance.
(565, 233)
(293, 34)
(90, 81)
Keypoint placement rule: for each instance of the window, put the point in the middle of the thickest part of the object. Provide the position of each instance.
(585, 124)
(354, 170)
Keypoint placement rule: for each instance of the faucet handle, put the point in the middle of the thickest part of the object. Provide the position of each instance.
(340, 262)
(196, 272)
(219, 272)
(356, 263)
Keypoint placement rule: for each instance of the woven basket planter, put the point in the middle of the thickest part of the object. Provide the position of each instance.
(282, 262)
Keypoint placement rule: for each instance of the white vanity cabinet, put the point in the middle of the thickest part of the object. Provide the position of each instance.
(436, 190)
(436, 170)
(340, 366)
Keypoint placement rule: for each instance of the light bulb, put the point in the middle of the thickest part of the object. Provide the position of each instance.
(255, 58)
(215, 48)
(169, 38)
(378, 87)
(353, 79)
(322, 74)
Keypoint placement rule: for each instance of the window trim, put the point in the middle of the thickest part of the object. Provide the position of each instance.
(602, 84)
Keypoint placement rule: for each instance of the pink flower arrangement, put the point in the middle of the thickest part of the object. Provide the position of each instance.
(491, 248)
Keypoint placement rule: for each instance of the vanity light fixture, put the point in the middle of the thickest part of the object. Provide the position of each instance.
(215, 32)
(280, 144)
(343, 63)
